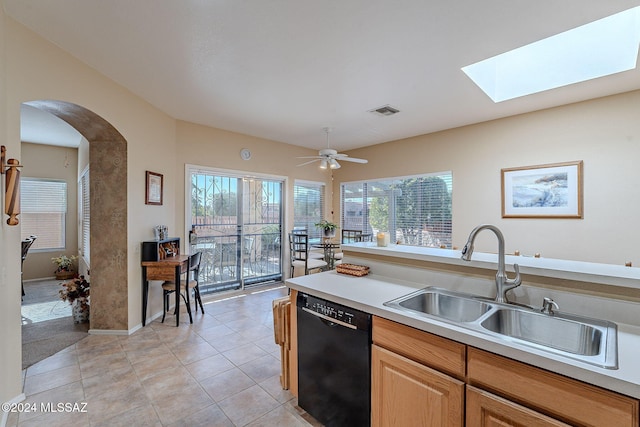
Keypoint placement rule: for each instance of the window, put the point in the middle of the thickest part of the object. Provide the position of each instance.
(308, 206)
(44, 207)
(597, 49)
(85, 217)
(415, 210)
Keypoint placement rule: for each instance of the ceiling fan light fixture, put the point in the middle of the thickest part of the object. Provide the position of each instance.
(323, 164)
(333, 164)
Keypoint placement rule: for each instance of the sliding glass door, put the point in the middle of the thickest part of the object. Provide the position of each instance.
(236, 222)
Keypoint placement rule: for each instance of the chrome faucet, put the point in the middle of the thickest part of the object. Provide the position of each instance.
(503, 283)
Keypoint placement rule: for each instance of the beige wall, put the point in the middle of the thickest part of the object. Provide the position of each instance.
(604, 133)
(46, 161)
(204, 146)
(10, 337)
(37, 70)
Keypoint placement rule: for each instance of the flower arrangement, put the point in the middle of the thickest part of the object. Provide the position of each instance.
(75, 288)
(65, 266)
(64, 262)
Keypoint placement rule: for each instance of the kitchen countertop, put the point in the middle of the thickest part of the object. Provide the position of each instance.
(369, 293)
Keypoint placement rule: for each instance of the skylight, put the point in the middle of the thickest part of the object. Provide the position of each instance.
(600, 48)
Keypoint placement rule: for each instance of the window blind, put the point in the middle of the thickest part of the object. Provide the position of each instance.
(85, 217)
(44, 206)
(415, 210)
(308, 206)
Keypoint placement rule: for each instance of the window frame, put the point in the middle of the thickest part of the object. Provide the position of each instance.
(321, 187)
(26, 211)
(363, 205)
(84, 215)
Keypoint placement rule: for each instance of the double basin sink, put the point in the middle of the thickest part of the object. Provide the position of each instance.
(588, 340)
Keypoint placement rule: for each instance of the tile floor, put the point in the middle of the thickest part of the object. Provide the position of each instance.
(223, 370)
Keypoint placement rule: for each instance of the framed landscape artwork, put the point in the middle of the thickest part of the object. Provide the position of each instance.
(544, 191)
(153, 189)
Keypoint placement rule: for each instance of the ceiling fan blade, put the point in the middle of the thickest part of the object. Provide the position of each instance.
(309, 157)
(353, 159)
(309, 162)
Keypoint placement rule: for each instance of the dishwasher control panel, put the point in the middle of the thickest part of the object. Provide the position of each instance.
(330, 309)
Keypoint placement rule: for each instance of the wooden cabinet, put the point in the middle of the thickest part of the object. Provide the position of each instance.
(566, 399)
(430, 350)
(407, 393)
(406, 390)
(418, 379)
(156, 250)
(486, 410)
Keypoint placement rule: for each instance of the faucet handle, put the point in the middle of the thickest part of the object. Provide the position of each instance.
(516, 281)
(548, 305)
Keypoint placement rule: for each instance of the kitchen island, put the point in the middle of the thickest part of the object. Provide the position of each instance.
(398, 271)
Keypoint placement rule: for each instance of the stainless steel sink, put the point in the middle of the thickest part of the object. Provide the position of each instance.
(551, 331)
(586, 339)
(442, 304)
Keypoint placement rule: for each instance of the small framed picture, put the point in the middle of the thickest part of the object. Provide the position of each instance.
(153, 190)
(544, 191)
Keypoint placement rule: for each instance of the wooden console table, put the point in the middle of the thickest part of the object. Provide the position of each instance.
(169, 268)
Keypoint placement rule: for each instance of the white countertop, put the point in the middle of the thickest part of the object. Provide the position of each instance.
(370, 292)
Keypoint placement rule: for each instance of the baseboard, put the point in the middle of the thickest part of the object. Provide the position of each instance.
(5, 414)
(123, 331)
(108, 332)
(40, 279)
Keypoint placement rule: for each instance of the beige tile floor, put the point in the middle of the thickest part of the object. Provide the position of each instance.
(223, 370)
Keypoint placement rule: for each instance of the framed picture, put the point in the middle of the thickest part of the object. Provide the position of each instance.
(544, 191)
(153, 190)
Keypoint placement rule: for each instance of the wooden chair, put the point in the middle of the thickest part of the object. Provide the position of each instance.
(299, 254)
(186, 286)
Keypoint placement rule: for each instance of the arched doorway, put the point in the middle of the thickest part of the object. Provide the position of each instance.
(108, 207)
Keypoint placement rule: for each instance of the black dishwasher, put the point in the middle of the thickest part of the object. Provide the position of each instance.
(334, 362)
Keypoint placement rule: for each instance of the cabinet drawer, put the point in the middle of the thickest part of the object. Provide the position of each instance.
(563, 398)
(486, 410)
(430, 350)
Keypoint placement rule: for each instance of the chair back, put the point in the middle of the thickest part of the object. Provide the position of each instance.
(26, 244)
(194, 264)
(194, 261)
(298, 246)
(351, 236)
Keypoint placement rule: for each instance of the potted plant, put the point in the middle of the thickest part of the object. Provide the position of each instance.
(328, 228)
(65, 268)
(77, 291)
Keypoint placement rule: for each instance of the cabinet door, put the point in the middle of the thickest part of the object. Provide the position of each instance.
(555, 395)
(486, 410)
(406, 393)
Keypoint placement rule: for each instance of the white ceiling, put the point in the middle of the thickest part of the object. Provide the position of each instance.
(40, 127)
(284, 69)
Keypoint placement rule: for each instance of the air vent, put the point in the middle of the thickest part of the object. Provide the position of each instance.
(386, 110)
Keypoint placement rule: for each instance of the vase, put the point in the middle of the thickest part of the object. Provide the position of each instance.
(329, 233)
(80, 310)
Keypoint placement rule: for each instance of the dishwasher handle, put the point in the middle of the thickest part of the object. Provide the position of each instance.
(329, 319)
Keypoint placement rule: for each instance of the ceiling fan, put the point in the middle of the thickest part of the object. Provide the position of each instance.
(329, 157)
